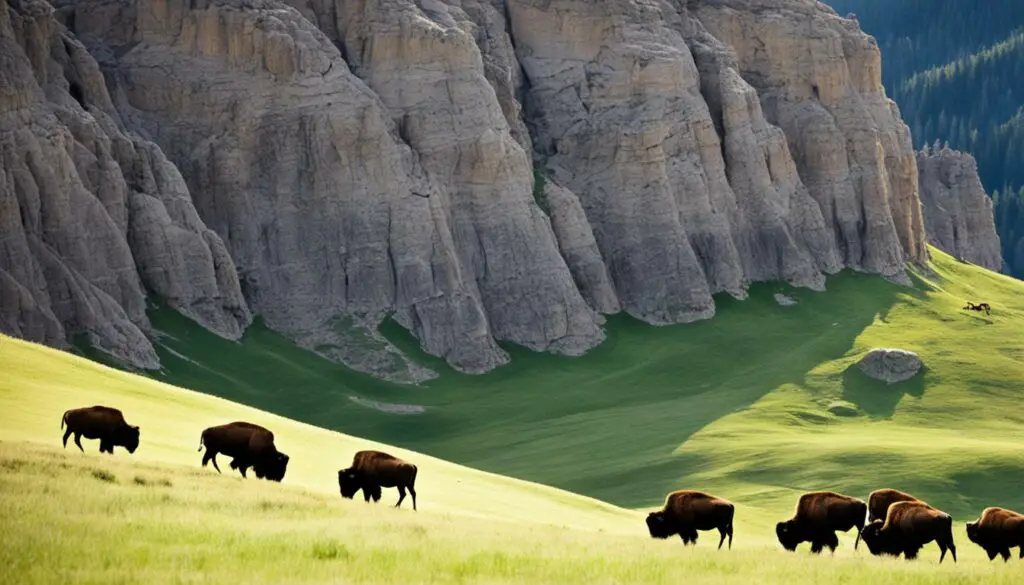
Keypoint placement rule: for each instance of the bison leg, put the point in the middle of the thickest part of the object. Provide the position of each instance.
(832, 541)
(106, 447)
(729, 527)
(1005, 554)
(1021, 552)
(816, 546)
(78, 441)
(67, 434)
(910, 552)
(376, 495)
(401, 495)
(412, 492)
(210, 456)
(723, 531)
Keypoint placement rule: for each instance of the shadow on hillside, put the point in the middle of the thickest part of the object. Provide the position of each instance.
(878, 399)
(605, 424)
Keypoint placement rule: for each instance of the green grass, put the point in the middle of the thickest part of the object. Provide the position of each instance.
(757, 405)
(742, 404)
(73, 518)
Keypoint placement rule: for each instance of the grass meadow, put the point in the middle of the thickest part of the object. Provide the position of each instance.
(756, 405)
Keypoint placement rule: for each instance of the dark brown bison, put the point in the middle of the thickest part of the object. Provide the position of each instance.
(818, 515)
(909, 526)
(373, 470)
(997, 531)
(880, 500)
(685, 512)
(103, 423)
(249, 445)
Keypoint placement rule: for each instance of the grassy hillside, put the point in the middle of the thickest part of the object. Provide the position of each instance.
(158, 517)
(39, 384)
(741, 404)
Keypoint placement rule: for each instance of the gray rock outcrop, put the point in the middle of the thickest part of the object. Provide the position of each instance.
(93, 216)
(326, 165)
(957, 212)
(890, 365)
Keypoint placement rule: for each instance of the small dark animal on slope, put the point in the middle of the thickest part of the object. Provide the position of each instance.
(977, 307)
(817, 518)
(250, 445)
(880, 500)
(997, 531)
(372, 470)
(685, 512)
(909, 526)
(103, 423)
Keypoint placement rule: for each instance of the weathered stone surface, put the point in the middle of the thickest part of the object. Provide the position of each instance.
(784, 300)
(77, 250)
(328, 164)
(818, 78)
(890, 365)
(957, 213)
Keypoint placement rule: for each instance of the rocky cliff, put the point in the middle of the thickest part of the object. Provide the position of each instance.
(957, 212)
(481, 170)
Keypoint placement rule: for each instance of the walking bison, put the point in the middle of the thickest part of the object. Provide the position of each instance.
(103, 423)
(817, 518)
(880, 500)
(909, 526)
(998, 530)
(249, 445)
(685, 512)
(373, 470)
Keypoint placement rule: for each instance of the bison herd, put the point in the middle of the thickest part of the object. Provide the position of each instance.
(890, 523)
(249, 446)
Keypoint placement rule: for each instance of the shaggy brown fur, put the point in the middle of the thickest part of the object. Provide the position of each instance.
(880, 500)
(249, 445)
(817, 518)
(909, 526)
(997, 531)
(103, 423)
(372, 470)
(685, 512)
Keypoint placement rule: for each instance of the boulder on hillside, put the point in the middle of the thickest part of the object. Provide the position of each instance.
(890, 365)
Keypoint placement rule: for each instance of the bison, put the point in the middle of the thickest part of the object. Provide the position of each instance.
(372, 470)
(998, 530)
(103, 423)
(249, 445)
(818, 515)
(909, 526)
(685, 512)
(880, 500)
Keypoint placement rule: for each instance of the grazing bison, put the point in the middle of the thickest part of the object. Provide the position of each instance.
(997, 531)
(818, 515)
(372, 470)
(979, 307)
(908, 526)
(880, 500)
(249, 445)
(103, 423)
(686, 512)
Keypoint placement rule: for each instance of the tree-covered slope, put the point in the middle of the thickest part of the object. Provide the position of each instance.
(956, 69)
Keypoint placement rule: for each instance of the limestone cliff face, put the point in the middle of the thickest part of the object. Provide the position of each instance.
(92, 214)
(957, 212)
(481, 170)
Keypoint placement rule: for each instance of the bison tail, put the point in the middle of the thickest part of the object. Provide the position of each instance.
(202, 441)
(64, 419)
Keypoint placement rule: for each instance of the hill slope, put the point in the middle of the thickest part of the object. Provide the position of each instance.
(157, 517)
(40, 383)
(739, 404)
